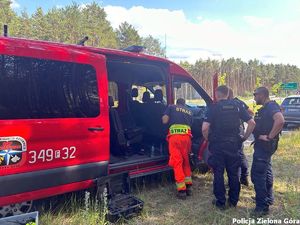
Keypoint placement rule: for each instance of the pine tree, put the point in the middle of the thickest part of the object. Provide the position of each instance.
(24, 24)
(153, 46)
(8, 16)
(128, 35)
(39, 25)
(97, 27)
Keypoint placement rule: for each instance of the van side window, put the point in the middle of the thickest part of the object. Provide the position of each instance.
(157, 92)
(33, 88)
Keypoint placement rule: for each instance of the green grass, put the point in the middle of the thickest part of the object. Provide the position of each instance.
(74, 210)
(161, 206)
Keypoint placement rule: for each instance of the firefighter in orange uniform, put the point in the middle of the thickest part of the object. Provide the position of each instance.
(180, 119)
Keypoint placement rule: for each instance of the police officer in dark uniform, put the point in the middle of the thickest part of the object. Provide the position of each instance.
(244, 171)
(221, 128)
(269, 123)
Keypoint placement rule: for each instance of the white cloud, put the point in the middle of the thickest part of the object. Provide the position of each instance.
(199, 17)
(14, 4)
(296, 6)
(258, 21)
(82, 6)
(216, 39)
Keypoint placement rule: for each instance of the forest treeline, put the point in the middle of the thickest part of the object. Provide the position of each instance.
(243, 77)
(71, 23)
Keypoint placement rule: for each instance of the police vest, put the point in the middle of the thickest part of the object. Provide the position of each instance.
(264, 123)
(227, 120)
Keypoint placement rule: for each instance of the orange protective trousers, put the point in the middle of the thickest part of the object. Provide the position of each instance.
(179, 149)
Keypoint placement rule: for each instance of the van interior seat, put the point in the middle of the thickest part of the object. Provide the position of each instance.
(130, 127)
(158, 96)
(151, 114)
(146, 97)
(134, 94)
(121, 135)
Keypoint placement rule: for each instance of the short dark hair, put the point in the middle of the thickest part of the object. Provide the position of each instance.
(180, 101)
(262, 90)
(223, 89)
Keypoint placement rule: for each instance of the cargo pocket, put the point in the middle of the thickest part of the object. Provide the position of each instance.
(270, 146)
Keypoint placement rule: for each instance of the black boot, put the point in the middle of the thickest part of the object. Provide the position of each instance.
(244, 181)
(189, 191)
(258, 212)
(230, 204)
(181, 195)
(218, 205)
(270, 202)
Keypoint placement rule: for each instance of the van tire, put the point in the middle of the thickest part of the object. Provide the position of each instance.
(16, 209)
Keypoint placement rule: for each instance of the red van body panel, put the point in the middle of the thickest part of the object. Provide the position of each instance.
(58, 147)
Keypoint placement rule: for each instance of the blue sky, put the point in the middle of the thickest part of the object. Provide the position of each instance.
(262, 29)
(225, 9)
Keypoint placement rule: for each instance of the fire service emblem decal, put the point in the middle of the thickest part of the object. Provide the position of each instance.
(12, 151)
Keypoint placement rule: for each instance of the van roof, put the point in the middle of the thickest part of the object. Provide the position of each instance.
(174, 68)
(86, 48)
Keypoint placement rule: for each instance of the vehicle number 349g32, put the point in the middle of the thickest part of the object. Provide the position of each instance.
(49, 154)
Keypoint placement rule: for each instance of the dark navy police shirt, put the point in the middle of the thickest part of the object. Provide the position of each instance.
(265, 123)
(210, 114)
(271, 108)
(179, 115)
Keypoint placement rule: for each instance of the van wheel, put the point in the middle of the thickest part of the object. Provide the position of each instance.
(203, 168)
(16, 209)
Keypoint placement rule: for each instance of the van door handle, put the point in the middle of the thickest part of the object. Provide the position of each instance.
(96, 128)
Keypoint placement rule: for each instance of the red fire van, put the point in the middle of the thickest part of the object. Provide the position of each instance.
(71, 114)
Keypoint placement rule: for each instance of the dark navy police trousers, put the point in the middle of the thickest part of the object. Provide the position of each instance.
(262, 174)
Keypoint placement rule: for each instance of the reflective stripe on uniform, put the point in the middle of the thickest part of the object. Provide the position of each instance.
(181, 186)
(188, 180)
(179, 129)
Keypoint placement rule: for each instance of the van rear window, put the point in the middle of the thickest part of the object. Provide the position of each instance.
(33, 88)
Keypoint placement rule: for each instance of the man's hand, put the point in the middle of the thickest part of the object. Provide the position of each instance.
(205, 130)
(243, 138)
(263, 137)
(251, 113)
(165, 119)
